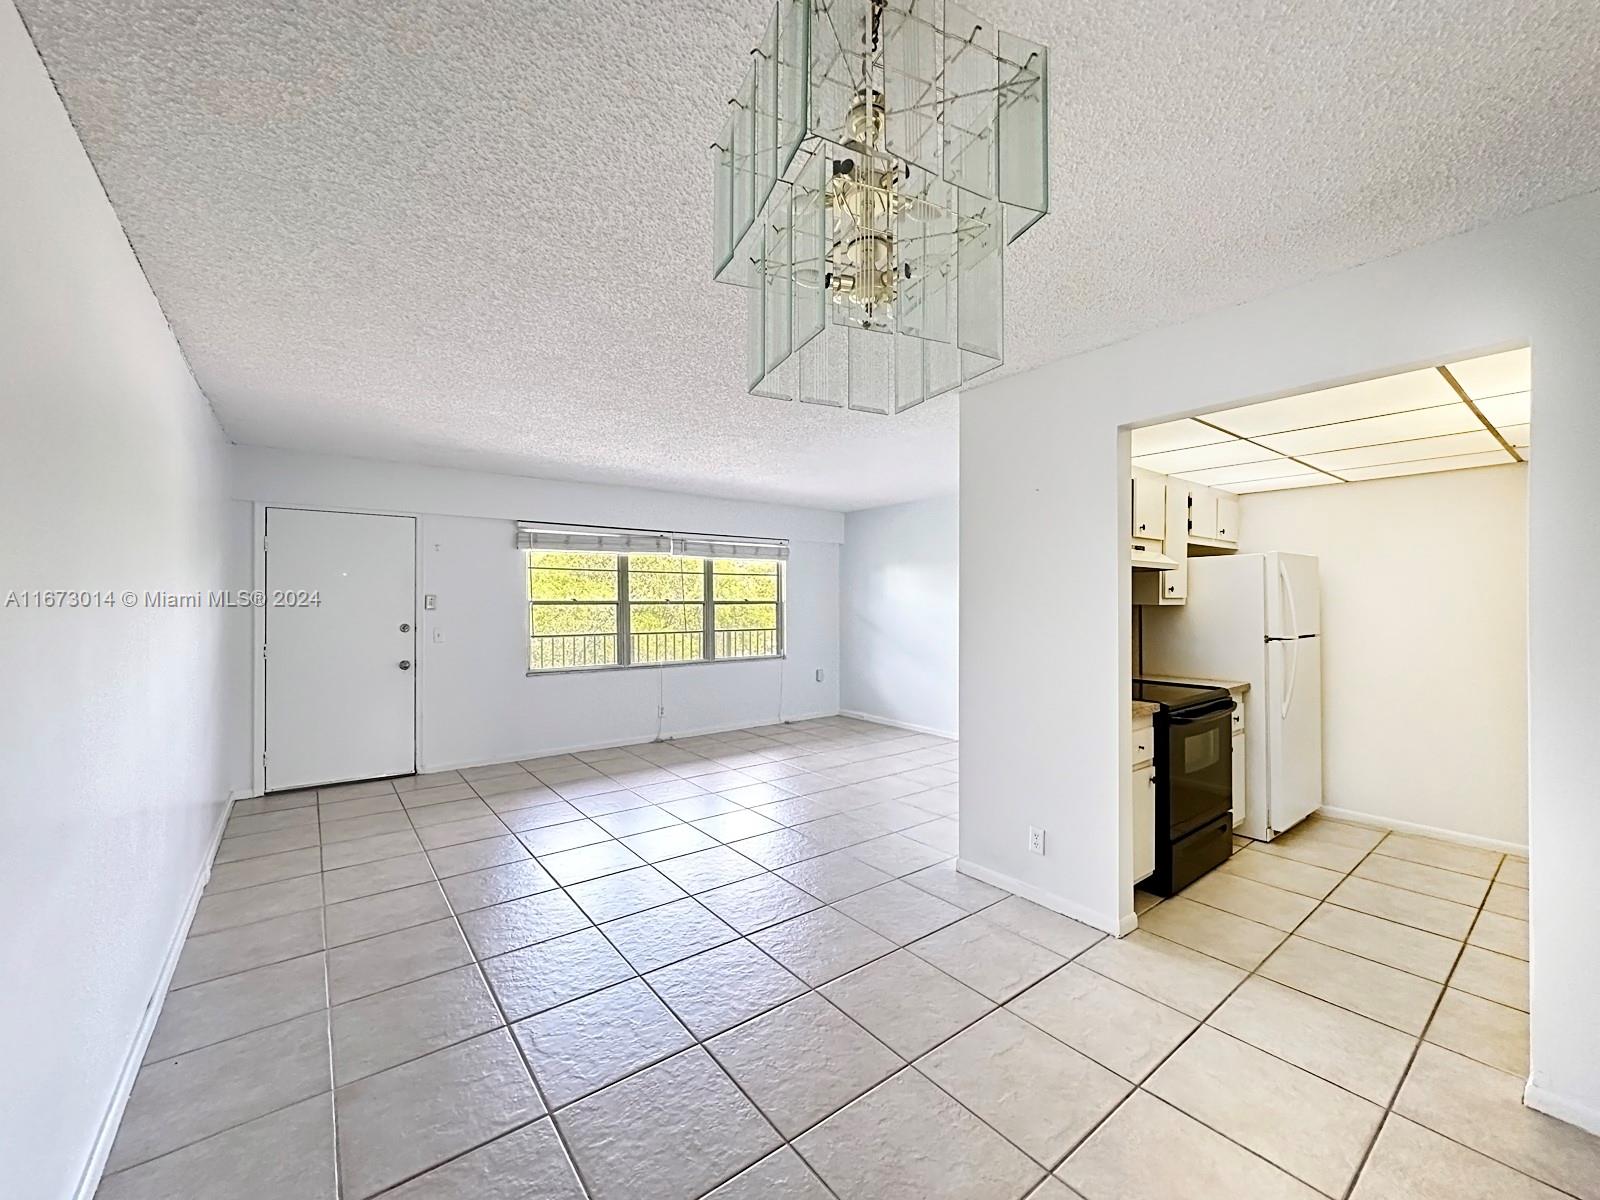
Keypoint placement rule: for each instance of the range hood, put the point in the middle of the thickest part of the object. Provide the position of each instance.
(1147, 556)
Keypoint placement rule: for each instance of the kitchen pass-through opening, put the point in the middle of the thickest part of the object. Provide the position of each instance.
(1330, 625)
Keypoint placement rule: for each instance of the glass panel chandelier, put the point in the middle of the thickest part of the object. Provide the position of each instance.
(877, 159)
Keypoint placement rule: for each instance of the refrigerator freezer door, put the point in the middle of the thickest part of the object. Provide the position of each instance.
(1217, 634)
(1294, 732)
(1293, 605)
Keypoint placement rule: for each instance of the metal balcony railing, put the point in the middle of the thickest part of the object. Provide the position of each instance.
(745, 643)
(576, 651)
(572, 651)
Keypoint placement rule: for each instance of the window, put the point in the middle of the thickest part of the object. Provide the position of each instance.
(574, 614)
(745, 594)
(590, 609)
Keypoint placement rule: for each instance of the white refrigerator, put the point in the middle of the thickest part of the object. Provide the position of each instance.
(1255, 618)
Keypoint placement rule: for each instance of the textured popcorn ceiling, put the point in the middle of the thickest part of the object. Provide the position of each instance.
(476, 234)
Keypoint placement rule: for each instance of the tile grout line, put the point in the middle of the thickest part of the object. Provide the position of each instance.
(505, 1023)
(1419, 1038)
(742, 936)
(810, 989)
(327, 999)
(550, 1111)
(765, 871)
(1422, 1037)
(327, 1007)
(1201, 1023)
(696, 1042)
(701, 1043)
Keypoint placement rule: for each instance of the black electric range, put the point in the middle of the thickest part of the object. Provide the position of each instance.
(1194, 780)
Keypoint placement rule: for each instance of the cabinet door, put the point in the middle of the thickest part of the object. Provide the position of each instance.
(1144, 823)
(1227, 517)
(1149, 506)
(1241, 779)
(1202, 512)
(1175, 583)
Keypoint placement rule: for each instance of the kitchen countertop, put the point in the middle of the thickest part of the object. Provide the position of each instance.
(1233, 685)
(1143, 709)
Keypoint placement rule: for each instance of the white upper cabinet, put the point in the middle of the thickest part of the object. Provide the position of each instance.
(1227, 517)
(1213, 517)
(1149, 505)
(1202, 512)
(1185, 518)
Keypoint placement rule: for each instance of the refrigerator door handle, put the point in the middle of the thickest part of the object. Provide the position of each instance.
(1288, 591)
(1294, 670)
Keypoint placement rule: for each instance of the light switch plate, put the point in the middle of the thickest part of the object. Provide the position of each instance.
(430, 602)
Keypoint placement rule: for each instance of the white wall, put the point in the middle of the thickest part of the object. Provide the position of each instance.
(112, 719)
(898, 605)
(1044, 459)
(1424, 646)
(477, 703)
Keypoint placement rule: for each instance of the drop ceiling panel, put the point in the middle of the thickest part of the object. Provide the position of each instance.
(1174, 435)
(1515, 408)
(1352, 401)
(1495, 374)
(1220, 454)
(1394, 452)
(1281, 484)
(1520, 436)
(1273, 468)
(1423, 466)
(1396, 427)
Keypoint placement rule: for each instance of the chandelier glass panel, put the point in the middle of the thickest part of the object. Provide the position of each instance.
(876, 161)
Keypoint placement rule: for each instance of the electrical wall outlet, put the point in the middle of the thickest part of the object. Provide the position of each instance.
(1035, 840)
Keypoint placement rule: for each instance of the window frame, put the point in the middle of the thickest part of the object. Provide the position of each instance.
(624, 625)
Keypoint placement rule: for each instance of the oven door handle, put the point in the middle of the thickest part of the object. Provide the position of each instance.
(1195, 716)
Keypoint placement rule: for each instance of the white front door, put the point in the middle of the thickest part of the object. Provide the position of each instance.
(340, 647)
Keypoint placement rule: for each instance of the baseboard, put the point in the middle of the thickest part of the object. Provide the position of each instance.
(1432, 831)
(610, 743)
(1105, 923)
(89, 1181)
(877, 720)
(1582, 1115)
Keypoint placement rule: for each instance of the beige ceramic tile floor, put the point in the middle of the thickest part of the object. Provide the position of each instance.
(743, 966)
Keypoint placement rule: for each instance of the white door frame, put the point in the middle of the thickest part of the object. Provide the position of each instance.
(258, 632)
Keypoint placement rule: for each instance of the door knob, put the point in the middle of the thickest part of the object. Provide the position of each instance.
(405, 628)
(405, 664)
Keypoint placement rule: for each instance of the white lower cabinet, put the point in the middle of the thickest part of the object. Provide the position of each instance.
(1143, 790)
(1144, 822)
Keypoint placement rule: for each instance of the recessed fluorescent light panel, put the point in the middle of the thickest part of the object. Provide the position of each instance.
(1472, 413)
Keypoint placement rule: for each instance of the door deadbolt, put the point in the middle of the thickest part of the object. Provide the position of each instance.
(405, 629)
(405, 664)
